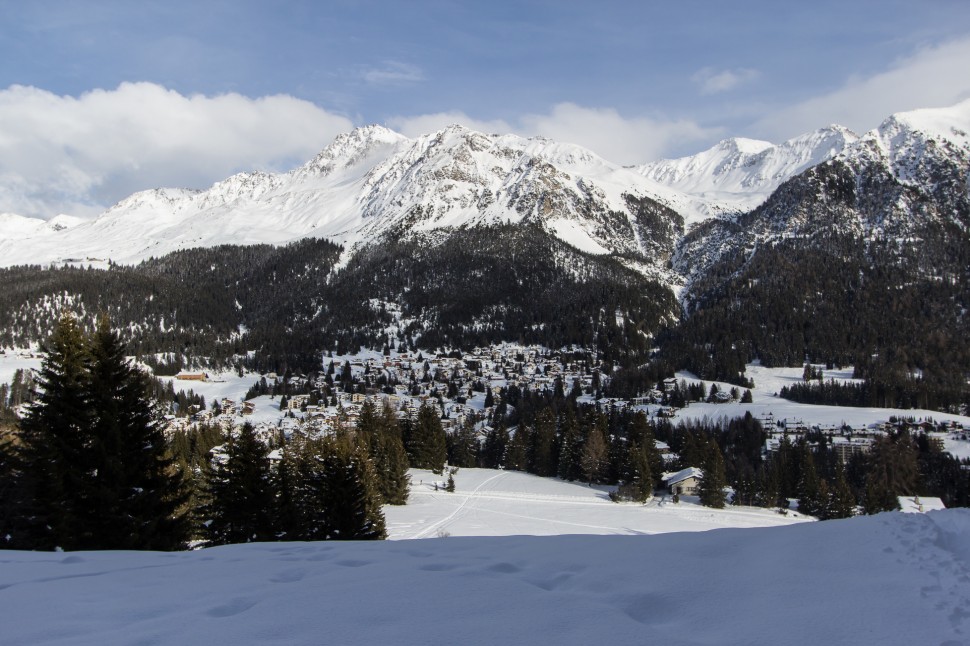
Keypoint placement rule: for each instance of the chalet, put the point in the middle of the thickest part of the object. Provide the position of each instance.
(248, 407)
(684, 482)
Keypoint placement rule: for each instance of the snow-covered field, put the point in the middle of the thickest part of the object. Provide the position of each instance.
(768, 382)
(888, 579)
(487, 502)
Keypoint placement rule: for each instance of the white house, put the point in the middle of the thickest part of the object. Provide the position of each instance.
(686, 481)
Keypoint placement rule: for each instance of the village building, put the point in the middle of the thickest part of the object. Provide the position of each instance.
(684, 482)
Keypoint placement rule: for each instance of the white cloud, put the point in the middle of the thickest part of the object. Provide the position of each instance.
(79, 155)
(427, 123)
(622, 140)
(932, 77)
(393, 73)
(712, 81)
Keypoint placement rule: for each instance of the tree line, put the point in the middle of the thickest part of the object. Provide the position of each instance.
(88, 466)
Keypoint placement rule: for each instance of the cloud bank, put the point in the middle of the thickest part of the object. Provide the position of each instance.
(77, 155)
(934, 76)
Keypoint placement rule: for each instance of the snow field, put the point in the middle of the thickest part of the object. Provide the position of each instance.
(887, 579)
(488, 502)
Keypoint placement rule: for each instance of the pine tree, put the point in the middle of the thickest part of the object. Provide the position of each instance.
(428, 448)
(543, 448)
(136, 490)
(570, 446)
(348, 491)
(641, 432)
(463, 446)
(240, 492)
(769, 487)
(893, 471)
(54, 434)
(593, 460)
(842, 501)
(810, 499)
(639, 474)
(388, 456)
(492, 455)
(712, 484)
(516, 455)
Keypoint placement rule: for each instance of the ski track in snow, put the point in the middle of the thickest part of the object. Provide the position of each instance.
(441, 524)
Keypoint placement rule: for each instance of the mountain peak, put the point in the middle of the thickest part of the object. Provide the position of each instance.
(350, 147)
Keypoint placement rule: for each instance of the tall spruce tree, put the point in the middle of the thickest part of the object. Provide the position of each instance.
(463, 445)
(594, 456)
(543, 450)
(570, 446)
(55, 435)
(638, 475)
(517, 453)
(492, 455)
(349, 493)
(842, 501)
(380, 433)
(428, 448)
(810, 496)
(93, 465)
(240, 491)
(137, 492)
(712, 484)
(893, 471)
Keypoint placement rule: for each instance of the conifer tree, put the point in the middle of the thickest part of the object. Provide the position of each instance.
(842, 501)
(388, 456)
(136, 490)
(893, 471)
(288, 520)
(428, 448)
(463, 445)
(543, 444)
(769, 488)
(350, 506)
(810, 499)
(712, 484)
(492, 455)
(516, 455)
(570, 446)
(594, 455)
(240, 491)
(639, 475)
(641, 432)
(54, 436)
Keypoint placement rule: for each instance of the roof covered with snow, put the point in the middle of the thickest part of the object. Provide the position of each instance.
(683, 474)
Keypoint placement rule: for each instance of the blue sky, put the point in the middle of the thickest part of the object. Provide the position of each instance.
(98, 99)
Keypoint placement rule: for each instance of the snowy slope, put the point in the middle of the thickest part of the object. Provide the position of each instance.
(370, 183)
(737, 174)
(18, 227)
(487, 502)
(888, 579)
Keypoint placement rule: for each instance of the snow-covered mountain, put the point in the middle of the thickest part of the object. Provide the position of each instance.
(910, 173)
(373, 183)
(738, 174)
(18, 227)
